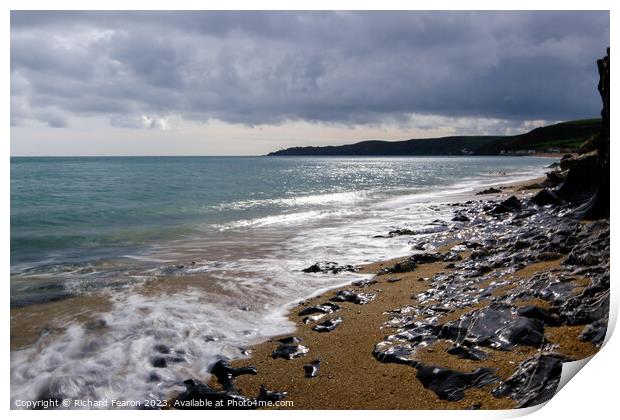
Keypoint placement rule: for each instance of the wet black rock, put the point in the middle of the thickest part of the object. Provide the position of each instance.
(460, 218)
(547, 197)
(353, 297)
(509, 205)
(450, 384)
(289, 340)
(491, 190)
(400, 267)
(364, 283)
(199, 396)
(312, 318)
(535, 380)
(311, 369)
(587, 259)
(520, 331)
(328, 325)
(595, 332)
(161, 348)
(271, 396)
(225, 374)
(159, 362)
(541, 314)
(290, 351)
(329, 267)
(400, 232)
(494, 326)
(401, 354)
(324, 308)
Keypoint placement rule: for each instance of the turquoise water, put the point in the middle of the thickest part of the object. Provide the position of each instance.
(220, 241)
(96, 217)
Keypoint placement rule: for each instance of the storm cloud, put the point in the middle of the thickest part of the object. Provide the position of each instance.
(139, 69)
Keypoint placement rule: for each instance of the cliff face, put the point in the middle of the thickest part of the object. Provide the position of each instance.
(599, 205)
(592, 179)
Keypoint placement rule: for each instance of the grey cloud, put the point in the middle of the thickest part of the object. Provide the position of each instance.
(341, 67)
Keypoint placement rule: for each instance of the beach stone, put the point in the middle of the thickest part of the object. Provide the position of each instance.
(535, 380)
(491, 190)
(290, 340)
(388, 352)
(325, 308)
(329, 267)
(509, 205)
(541, 314)
(311, 370)
(272, 396)
(328, 325)
(595, 332)
(290, 351)
(547, 197)
(353, 297)
(450, 384)
(225, 374)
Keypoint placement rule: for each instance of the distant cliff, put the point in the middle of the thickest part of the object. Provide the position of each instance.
(562, 137)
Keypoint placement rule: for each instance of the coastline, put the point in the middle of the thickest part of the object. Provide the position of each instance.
(352, 377)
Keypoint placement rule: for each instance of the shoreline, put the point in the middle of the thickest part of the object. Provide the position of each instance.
(351, 375)
(357, 318)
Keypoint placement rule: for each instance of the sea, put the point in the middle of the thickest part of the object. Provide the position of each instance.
(202, 256)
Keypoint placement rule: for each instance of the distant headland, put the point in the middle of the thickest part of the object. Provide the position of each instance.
(565, 137)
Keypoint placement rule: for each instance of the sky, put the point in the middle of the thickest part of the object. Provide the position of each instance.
(247, 83)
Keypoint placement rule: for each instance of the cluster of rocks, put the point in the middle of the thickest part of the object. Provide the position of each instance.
(505, 236)
(198, 395)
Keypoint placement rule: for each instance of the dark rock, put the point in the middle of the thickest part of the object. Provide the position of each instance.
(541, 314)
(290, 340)
(547, 197)
(450, 384)
(328, 325)
(272, 396)
(159, 362)
(401, 354)
(351, 296)
(491, 190)
(520, 331)
(595, 332)
(364, 283)
(328, 267)
(325, 308)
(509, 205)
(535, 380)
(401, 267)
(225, 374)
(400, 232)
(198, 396)
(290, 351)
(460, 218)
(163, 349)
(312, 318)
(311, 369)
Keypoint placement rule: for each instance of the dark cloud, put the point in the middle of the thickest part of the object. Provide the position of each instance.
(268, 67)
